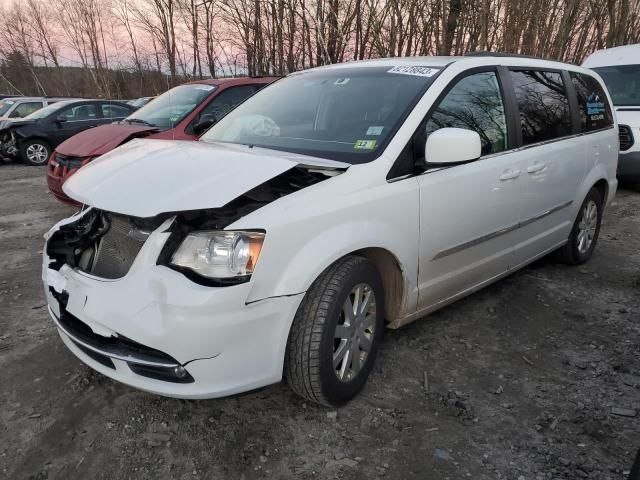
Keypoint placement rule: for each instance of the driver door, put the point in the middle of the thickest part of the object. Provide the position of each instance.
(78, 117)
(468, 212)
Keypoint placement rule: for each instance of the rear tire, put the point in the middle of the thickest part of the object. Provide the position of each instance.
(35, 152)
(584, 234)
(335, 334)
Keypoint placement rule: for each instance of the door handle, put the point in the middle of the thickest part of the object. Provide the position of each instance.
(536, 167)
(509, 175)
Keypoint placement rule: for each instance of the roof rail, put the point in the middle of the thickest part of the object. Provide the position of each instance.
(483, 53)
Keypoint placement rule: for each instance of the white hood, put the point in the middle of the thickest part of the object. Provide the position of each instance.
(146, 177)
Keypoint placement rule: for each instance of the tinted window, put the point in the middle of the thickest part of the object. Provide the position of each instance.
(595, 111)
(543, 104)
(474, 103)
(623, 83)
(114, 111)
(227, 100)
(26, 108)
(79, 113)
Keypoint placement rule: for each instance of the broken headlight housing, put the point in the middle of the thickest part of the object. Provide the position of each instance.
(219, 255)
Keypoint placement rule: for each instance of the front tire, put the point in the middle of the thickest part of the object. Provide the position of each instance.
(35, 152)
(335, 334)
(584, 234)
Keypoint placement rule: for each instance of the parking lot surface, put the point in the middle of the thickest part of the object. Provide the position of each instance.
(535, 377)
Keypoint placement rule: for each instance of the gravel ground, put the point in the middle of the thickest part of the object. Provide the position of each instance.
(536, 377)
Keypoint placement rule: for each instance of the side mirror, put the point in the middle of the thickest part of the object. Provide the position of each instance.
(449, 146)
(204, 123)
(61, 119)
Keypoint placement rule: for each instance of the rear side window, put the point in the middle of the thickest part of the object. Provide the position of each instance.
(474, 103)
(543, 104)
(80, 113)
(595, 111)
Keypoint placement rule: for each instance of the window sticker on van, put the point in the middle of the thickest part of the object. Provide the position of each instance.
(416, 71)
(595, 106)
(374, 131)
(364, 145)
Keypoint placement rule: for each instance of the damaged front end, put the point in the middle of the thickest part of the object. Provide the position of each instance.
(105, 244)
(120, 306)
(8, 143)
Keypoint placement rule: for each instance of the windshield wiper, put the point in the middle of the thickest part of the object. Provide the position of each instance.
(139, 120)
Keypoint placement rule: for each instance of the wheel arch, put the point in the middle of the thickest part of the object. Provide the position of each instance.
(392, 276)
(596, 178)
(40, 137)
(603, 189)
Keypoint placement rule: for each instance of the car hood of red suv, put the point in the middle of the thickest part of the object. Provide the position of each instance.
(100, 140)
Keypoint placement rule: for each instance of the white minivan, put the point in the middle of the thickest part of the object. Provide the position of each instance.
(619, 67)
(334, 203)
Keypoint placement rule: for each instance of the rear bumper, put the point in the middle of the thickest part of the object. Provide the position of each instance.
(629, 166)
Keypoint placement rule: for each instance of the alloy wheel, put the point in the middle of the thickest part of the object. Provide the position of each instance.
(354, 332)
(587, 226)
(37, 153)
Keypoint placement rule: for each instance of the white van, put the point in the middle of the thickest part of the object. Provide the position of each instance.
(619, 67)
(334, 203)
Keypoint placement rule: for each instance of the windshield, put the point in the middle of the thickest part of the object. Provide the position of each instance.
(623, 83)
(46, 111)
(5, 105)
(345, 114)
(172, 106)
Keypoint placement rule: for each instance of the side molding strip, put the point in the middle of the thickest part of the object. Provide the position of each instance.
(497, 233)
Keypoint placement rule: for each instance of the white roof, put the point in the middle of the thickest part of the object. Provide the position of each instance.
(625, 55)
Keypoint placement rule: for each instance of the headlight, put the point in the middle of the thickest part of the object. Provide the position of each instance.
(219, 254)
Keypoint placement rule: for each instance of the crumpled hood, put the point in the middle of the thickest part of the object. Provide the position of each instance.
(100, 140)
(144, 178)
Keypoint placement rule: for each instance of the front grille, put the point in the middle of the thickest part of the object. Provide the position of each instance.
(115, 251)
(69, 161)
(626, 137)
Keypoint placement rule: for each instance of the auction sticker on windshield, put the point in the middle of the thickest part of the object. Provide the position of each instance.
(365, 145)
(413, 70)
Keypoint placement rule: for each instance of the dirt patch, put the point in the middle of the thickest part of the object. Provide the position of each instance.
(535, 377)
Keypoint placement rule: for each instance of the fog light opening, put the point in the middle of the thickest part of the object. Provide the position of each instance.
(180, 371)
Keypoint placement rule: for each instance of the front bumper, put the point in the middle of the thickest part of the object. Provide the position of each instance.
(629, 166)
(225, 345)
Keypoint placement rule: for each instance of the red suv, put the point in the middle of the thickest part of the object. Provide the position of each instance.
(182, 113)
